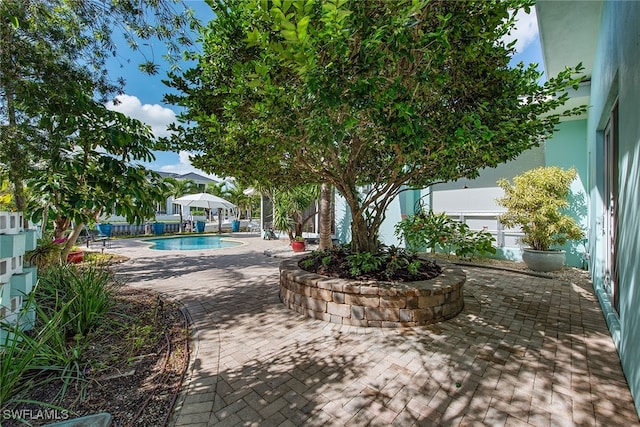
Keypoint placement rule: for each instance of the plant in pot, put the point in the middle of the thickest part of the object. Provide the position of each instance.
(536, 202)
(292, 209)
(298, 244)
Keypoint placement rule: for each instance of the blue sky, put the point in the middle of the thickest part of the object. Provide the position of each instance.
(143, 94)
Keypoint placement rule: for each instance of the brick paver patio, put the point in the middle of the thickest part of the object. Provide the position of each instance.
(524, 351)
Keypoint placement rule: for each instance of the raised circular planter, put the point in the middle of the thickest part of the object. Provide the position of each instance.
(370, 303)
(543, 260)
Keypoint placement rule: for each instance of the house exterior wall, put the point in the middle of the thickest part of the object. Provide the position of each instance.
(615, 77)
(568, 149)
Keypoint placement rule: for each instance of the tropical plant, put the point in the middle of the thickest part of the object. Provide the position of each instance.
(390, 263)
(82, 294)
(536, 201)
(177, 188)
(89, 169)
(28, 360)
(71, 303)
(293, 208)
(53, 61)
(427, 229)
(46, 254)
(377, 95)
(216, 188)
(235, 194)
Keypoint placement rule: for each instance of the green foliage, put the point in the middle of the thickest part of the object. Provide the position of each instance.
(70, 303)
(361, 93)
(81, 295)
(390, 263)
(29, 360)
(293, 208)
(536, 201)
(55, 130)
(425, 229)
(363, 262)
(467, 243)
(177, 188)
(438, 231)
(46, 254)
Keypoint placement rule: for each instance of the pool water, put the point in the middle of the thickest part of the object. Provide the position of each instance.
(192, 243)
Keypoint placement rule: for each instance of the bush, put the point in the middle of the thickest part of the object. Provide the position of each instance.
(46, 254)
(427, 230)
(71, 302)
(535, 202)
(82, 294)
(32, 359)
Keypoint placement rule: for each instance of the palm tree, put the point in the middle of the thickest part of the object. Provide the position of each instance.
(180, 187)
(325, 216)
(236, 196)
(216, 188)
(291, 208)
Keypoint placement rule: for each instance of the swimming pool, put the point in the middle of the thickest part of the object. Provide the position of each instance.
(192, 243)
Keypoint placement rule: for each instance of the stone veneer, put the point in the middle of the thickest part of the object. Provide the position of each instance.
(368, 303)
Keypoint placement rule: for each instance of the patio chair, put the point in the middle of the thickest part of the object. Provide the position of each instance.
(269, 234)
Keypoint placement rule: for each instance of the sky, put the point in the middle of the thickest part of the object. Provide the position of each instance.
(143, 93)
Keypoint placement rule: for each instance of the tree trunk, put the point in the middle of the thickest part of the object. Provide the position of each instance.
(60, 225)
(73, 237)
(364, 238)
(325, 216)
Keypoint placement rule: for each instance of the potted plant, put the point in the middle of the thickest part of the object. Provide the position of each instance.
(104, 229)
(535, 202)
(298, 244)
(158, 228)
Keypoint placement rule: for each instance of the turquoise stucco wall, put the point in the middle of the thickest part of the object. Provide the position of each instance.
(568, 149)
(615, 76)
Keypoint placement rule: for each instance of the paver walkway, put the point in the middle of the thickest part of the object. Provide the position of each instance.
(525, 351)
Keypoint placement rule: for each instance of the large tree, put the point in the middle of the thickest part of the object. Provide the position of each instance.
(54, 128)
(373, 95)
(87, 166)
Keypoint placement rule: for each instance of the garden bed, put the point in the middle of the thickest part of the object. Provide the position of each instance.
(372, 303)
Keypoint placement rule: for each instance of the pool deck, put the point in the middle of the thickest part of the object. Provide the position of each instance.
(525, 351)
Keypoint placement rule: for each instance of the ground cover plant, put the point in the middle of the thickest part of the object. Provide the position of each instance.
(95, 347)
(389, 264)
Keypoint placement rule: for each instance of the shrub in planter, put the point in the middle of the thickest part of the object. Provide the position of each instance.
(536, 202)
(298, 244)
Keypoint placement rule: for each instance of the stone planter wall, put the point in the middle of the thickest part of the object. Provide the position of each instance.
(360, 303)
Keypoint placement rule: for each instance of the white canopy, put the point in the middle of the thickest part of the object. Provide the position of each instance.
(204, 200)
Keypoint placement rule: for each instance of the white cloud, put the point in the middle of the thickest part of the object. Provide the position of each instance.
(156, 116)
(525, 31)
(184, 166)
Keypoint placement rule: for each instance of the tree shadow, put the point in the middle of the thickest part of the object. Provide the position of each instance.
(524, 349)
